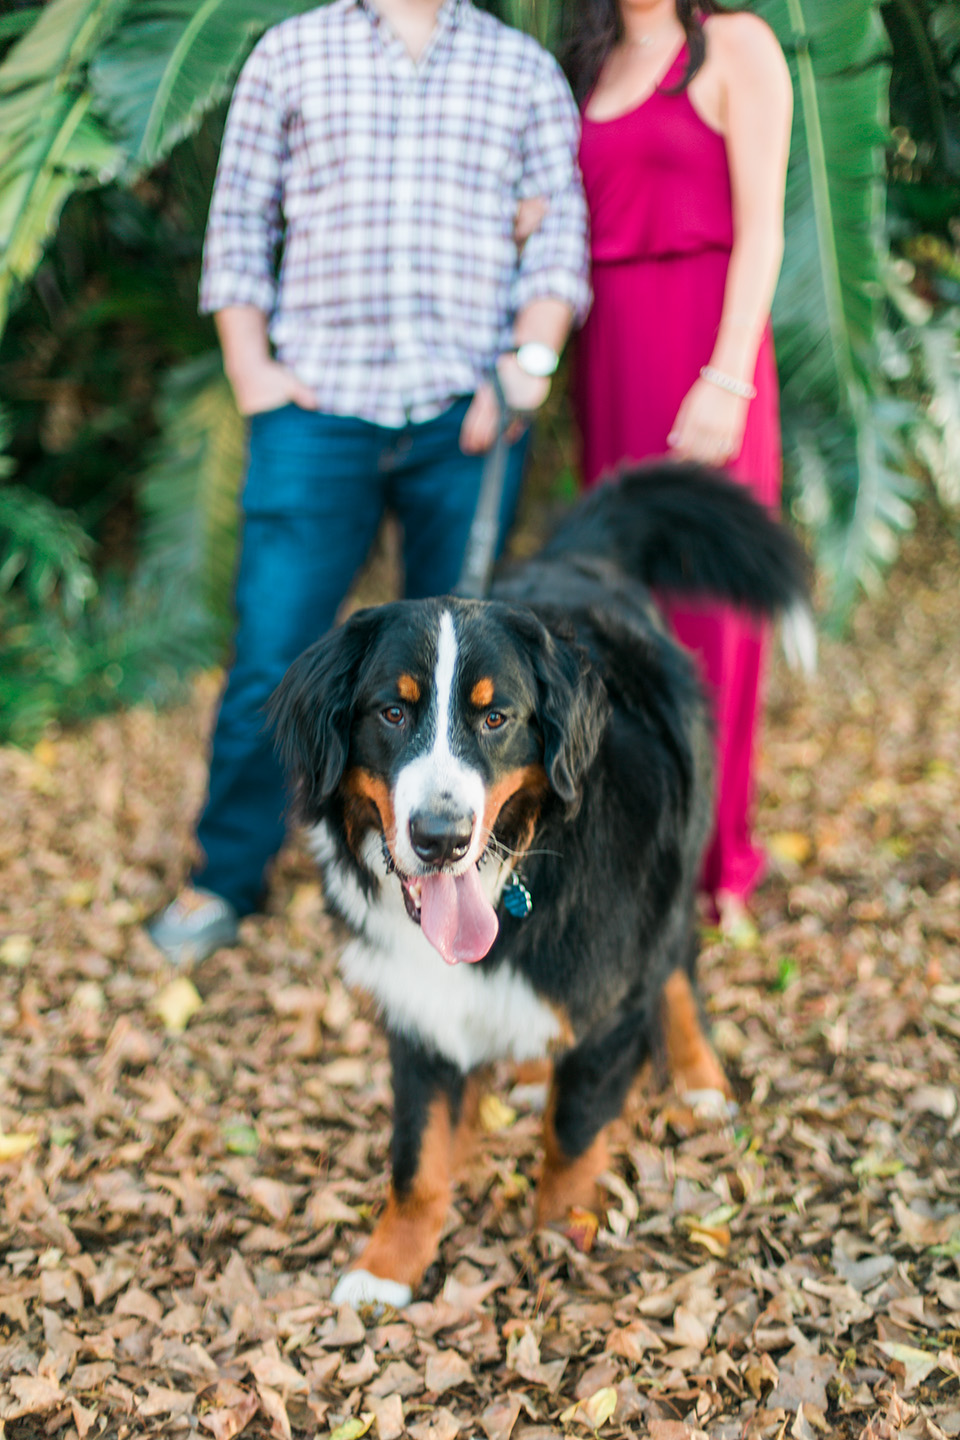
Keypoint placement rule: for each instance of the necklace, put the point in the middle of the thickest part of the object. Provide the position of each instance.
(643, 42)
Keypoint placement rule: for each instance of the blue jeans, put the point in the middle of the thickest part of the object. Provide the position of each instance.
(316, 489)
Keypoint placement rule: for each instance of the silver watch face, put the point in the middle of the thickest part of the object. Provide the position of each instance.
(536, 358)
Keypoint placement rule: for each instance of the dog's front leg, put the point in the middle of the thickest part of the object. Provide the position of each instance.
(428, 1094)
(590, 1085)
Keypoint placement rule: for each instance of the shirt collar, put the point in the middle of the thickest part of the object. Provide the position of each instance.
(451, 12)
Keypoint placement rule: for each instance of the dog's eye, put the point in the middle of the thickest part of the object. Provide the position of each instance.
(495, 719)
(393, 714)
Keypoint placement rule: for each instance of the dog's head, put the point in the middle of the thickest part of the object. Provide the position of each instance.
(440, 728)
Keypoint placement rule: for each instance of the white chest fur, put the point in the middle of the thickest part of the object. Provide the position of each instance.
(467, 1015)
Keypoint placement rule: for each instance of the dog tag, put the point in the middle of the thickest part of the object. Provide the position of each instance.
(517, 900)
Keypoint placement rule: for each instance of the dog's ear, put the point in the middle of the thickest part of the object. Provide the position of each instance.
(572, 708)
(311, 712)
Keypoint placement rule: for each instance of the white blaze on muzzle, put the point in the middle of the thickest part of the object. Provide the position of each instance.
(456, 916)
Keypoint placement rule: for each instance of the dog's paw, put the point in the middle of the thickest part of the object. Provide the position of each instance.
(359, 1287)
(710, 1104)
(531, 1097)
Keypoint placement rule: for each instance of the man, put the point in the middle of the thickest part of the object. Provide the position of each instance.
(383, 147)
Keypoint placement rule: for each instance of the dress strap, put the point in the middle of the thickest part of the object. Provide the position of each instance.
(679, 62)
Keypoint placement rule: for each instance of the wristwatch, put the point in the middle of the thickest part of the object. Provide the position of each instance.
(536, 358)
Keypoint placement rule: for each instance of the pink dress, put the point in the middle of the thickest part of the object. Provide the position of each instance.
(661, 214)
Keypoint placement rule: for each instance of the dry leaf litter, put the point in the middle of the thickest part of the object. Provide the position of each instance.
(187, 1161)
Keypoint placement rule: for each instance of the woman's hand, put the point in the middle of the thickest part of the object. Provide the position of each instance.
(529, 218)
(264, 384)
(709, 425)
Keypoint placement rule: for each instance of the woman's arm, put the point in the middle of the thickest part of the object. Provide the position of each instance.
(551, 285)
(756, 113)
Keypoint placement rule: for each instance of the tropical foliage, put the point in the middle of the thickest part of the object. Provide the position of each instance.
(922, 345)
(127, 445)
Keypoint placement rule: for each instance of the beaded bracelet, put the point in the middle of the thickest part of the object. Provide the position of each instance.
(741, 388)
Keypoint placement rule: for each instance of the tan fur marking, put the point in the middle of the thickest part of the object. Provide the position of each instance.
(531, 777)
(532, 1072)
(363, 791)
(408, 1232)
(465, 1135)
(408, 689)
(690, 1058)
(565, 1183)
(482, 693)
(566, 1037)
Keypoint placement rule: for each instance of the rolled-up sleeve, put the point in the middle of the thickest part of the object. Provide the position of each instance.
(245, 224)
(555, 261)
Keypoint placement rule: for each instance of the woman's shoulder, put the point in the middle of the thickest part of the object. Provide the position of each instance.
(743, 33)
(742, 43)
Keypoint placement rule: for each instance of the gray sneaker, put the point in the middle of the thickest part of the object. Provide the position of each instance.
(193, 926)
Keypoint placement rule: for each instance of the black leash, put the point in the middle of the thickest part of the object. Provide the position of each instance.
(481, 551)
(477, 568)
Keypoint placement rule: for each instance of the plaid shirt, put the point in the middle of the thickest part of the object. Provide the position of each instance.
(391, 187)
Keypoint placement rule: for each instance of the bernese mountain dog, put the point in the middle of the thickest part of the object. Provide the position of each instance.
(510, 799)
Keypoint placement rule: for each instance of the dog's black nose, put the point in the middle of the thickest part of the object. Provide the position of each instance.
(439, 838)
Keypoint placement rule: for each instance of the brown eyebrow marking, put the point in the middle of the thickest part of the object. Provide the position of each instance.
(482, 693)
(408, 689)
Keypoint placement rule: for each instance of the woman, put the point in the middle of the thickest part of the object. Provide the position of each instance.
(686, 128)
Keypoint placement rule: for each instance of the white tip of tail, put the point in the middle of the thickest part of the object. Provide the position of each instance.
(798, 636)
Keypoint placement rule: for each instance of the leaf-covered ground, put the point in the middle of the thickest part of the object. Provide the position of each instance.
(186, 1163)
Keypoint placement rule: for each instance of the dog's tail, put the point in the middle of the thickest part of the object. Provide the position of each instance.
(686, 530)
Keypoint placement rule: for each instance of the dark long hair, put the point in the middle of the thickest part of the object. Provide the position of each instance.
(589, 29)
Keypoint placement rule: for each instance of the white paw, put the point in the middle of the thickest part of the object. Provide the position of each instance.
(359, 1287)
(712, 1104)
(530, 1097)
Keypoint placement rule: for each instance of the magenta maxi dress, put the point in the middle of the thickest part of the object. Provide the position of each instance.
(661, 214)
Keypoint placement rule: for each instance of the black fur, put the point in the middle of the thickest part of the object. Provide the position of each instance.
(606, 707)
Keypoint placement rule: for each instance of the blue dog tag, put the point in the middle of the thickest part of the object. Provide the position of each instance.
(517, 900)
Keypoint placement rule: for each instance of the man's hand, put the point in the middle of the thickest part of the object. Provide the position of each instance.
(523, 393)
(264, 384)
(481, 422)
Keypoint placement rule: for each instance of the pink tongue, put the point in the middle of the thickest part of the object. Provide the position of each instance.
(456, 916)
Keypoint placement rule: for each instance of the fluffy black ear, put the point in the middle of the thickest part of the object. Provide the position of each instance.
(572, 710)
(311, 712)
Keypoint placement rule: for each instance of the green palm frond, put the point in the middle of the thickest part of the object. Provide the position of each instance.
(49, 140)
(172, 60)
(936, 431)
(127, 649)
(13, 25)
(828, 303)
(70, 649)
(188, 492)
(44, 549)
(830, 292)
(99, 86)
(538, 17)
